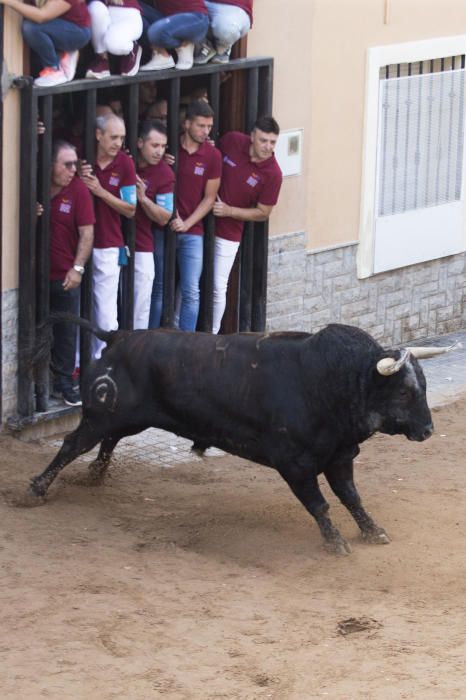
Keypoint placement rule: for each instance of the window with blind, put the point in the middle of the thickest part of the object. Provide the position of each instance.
(417, 204)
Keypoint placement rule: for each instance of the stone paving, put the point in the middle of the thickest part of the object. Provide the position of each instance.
(446, 381)
(445, 374)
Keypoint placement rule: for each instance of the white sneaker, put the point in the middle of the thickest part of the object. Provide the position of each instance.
(185, 57)
(68, 63)
(158, 62)
(50, 76)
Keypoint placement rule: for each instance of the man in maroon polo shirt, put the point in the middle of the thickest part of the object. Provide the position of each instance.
(251, 181)
(155, 186)
(71, 236)
(114, 187)
(197, 183)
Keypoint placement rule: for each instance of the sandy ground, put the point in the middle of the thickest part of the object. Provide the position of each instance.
(208, 581)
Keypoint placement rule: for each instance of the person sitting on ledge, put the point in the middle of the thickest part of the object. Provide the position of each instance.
(57, 25)
(175, 24)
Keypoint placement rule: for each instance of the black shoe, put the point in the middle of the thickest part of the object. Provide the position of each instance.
(71, 396)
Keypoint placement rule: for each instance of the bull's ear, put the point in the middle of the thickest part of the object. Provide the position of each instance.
(388, 365)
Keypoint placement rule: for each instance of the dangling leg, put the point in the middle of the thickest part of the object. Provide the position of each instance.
(306, 488)
(340, 479)
(81, 440)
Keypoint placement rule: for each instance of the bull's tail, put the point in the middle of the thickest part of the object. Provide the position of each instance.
(63, 317)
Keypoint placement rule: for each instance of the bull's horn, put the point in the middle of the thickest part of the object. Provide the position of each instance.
(389, 365)
(425, 353)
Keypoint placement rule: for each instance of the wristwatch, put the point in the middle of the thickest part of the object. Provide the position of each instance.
(79, 268)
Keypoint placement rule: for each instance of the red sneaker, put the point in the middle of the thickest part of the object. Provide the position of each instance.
(99, 68)
(129, 64)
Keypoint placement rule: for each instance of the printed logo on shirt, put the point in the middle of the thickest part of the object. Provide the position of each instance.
(229, 162)
(114, 179)
(253, 180)
(199, 169)
(65, 206)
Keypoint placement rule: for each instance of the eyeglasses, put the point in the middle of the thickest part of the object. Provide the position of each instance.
(70, 164)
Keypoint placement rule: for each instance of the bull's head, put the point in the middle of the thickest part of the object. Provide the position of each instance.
(402, 404)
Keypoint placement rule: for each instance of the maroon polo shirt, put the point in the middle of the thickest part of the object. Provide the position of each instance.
(159, 179)
(194, 170)
(245, 5)
(119, 173)
(174, 7)
(78, 13)
(244, 183)
(71, 208)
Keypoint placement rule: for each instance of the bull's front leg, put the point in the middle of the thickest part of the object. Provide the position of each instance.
(306, 488)
(81, 440)
(340, 479)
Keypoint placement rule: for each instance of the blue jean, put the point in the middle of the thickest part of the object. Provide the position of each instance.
(189, 255)
(57, 35)
(156, 302)
(170, 32)
(149, 15)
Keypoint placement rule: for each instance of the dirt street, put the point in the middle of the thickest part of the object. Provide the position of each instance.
(208, 580)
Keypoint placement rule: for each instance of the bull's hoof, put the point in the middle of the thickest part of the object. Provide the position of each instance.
(337, 546)
(31, 499)
(376, 536)
(96, 473)
(198, 449)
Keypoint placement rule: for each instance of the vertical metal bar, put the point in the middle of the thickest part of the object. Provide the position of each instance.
(460, 131)
(27, 251)
(261, 230)
(43, 250)
(129, 225)
(246, 278)
(265, 89)
(252, 98)
(207, 279)
(406, 150)
(427, 178)
(395, 143)
(169, 264)
(259, 286)
(86, 284)
(417, 158)
(214, 98)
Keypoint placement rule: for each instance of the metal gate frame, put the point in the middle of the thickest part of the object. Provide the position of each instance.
(256, 75)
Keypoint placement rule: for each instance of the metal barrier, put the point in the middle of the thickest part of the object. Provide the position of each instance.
(238, 93)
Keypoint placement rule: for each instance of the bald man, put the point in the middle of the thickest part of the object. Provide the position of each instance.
(113, 184)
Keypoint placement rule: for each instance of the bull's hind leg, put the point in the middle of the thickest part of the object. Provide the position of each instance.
(81, 440)
(98, 468)
(340, 479)
(306, 488)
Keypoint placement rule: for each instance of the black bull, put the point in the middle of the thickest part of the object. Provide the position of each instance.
(297, 402)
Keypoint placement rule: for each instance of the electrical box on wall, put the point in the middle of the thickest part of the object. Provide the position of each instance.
(288, 151)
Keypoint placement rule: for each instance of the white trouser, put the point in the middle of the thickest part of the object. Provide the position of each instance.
(114, 29)
(228, 23)
(143, 281)
(106, 275)
(225, 254)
